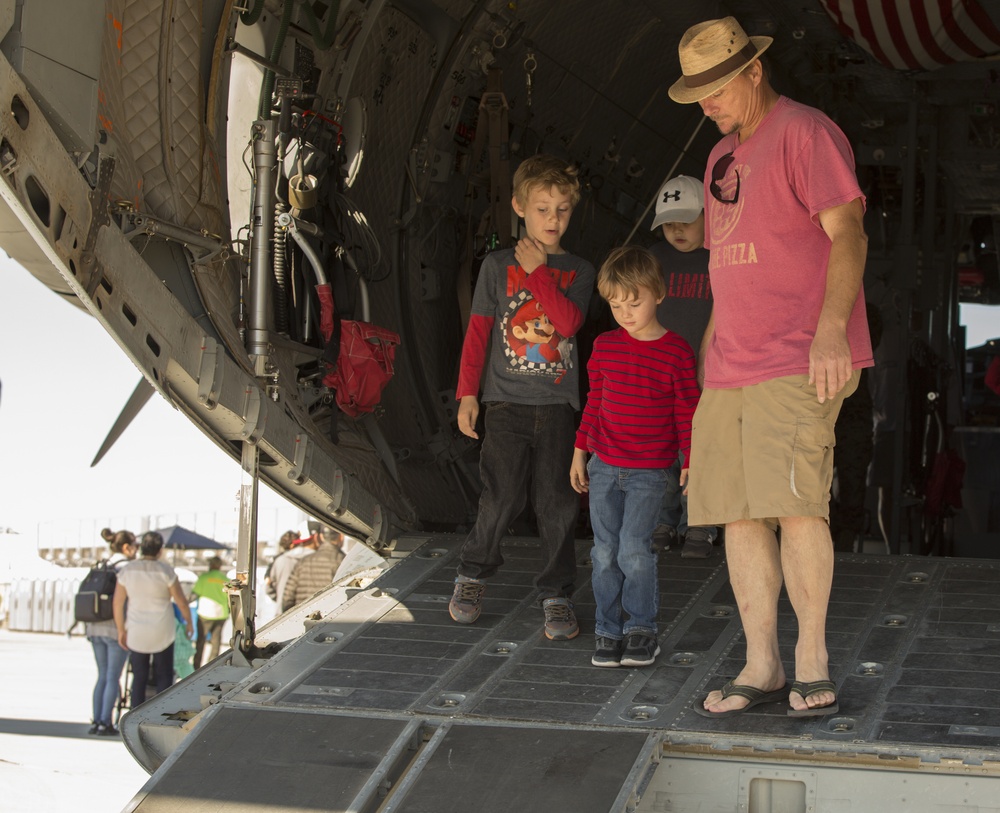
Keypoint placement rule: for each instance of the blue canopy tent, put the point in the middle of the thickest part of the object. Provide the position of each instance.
(180, 538)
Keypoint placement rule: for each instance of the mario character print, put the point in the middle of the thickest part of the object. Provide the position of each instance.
(532, 344)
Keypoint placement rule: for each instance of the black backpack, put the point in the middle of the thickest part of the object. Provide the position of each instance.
(94, 598)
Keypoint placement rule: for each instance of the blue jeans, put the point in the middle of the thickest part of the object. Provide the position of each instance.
(110, 661)
(674, 510)
(526, 446)
(624, 504)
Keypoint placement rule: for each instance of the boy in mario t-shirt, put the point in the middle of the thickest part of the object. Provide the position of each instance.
(528, 304)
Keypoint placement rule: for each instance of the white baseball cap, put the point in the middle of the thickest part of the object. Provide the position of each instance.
(680, 200)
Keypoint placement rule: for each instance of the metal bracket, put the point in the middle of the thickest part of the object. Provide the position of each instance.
(303, 459)
(203, 245)
(254, 416)
(100, 215)
(210, 373)
(339, 493)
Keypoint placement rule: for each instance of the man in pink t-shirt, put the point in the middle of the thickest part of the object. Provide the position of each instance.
(784, 347)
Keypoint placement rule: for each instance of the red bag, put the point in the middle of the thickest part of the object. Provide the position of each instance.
(364, 355)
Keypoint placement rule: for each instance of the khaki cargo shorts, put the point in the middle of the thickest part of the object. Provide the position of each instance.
(763, 452)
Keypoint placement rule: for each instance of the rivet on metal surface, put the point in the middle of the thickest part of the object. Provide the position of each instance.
(841, 725)
(328, 637)
(917, 577)
(262, 688)
(719, 611)
(895, 621)
(432, 553)
(501, 648)
(448, 701)
(641, 714)
(870, 669)
(683, 659)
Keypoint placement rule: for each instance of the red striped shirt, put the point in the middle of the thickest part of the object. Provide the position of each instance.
(642, 397)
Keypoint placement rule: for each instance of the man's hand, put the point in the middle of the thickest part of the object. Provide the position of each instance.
(829, 361)
(578, 472)
(468, 413)
(529, 254)
(683, 481)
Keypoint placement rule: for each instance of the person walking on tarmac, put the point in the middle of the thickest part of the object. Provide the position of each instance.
(213, 609)
(103, 637)
(147, 627)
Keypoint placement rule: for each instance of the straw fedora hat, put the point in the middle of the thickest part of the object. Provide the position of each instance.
(712, 53)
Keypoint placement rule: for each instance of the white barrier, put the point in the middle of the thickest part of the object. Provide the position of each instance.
(41, 605)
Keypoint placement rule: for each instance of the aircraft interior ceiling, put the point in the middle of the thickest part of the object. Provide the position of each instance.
(386, 133)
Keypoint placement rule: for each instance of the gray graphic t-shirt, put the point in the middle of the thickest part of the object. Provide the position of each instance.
(530, 362)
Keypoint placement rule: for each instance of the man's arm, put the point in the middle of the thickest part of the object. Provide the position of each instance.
(706, 340)
(830, 365)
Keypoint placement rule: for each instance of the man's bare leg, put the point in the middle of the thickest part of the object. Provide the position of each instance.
(807, 562)
(755, 573)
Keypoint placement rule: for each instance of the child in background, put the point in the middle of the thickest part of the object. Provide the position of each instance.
(529, 301)
(643, 392)
(686, 309)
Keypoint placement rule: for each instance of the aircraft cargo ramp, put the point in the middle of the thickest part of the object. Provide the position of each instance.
(384, 704)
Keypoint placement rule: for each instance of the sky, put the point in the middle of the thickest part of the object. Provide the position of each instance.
(64, 382)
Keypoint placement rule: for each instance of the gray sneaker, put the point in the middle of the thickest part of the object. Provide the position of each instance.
(607, 652)
(640, 650)
(663, 537)
(560, 620)
(697, 544)
(466, 600)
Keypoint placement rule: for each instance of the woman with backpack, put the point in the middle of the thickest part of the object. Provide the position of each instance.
(103, 637)
(146, 627)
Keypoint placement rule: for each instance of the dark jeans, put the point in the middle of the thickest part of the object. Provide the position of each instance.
(521, 445)
(163, 673)
(208, 628)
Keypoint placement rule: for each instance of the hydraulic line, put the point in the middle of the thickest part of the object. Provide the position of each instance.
(291, 225)
(261, 255)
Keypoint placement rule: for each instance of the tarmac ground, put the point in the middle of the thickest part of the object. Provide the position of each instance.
(48, 762)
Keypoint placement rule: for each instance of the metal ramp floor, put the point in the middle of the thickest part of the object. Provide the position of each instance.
(386, 704)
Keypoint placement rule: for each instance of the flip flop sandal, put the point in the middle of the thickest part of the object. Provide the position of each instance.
(808, 689)
(754, 695)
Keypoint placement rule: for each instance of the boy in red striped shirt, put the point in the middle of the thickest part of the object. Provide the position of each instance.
(643, 392)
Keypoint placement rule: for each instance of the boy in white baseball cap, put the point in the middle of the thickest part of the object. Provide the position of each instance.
(685, 310)
(681, 201)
